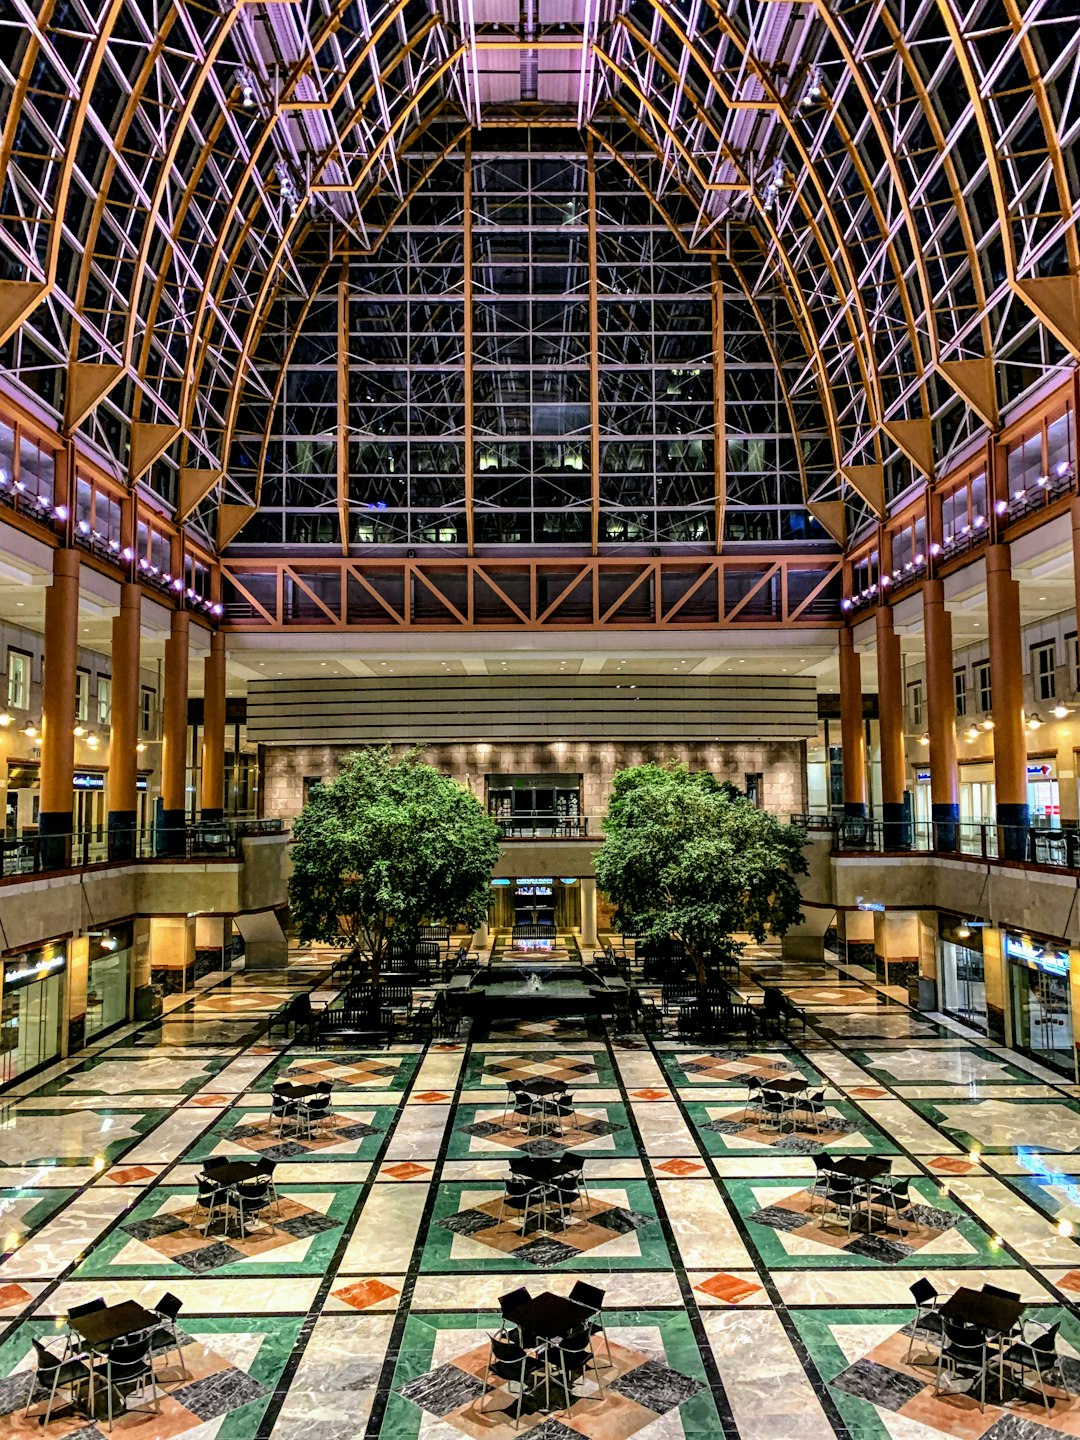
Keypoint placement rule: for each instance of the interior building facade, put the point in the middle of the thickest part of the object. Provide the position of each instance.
(553, 388)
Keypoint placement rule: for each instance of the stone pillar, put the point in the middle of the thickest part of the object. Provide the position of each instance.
(995, 965)
(481, 937)
(897, 831)
(851, 727)
(896, 947)
(1007, 692)
(941, 714)
(172, 952)
(587, 886)
(213, 747)
(174, 738)
(211, 934)
(124, 724)
(58, 709)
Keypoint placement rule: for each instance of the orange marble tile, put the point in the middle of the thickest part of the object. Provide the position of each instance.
(680, 1167)
(132, 1173)
(12, 1295)
(951, 1165)
(431, 1097)
(407, 1170)
(731, 1288)
(364, 1293)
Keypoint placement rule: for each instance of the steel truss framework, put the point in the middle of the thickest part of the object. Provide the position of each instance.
(898, 178)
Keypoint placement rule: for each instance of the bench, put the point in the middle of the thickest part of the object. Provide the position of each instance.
(354, 1026)
(297, 1014)
(779, 1010)
(715, 1020)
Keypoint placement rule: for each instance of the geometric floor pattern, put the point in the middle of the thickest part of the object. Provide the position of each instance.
(361, 1305)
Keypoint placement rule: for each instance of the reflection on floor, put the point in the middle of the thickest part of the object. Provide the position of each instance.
(739, 1302)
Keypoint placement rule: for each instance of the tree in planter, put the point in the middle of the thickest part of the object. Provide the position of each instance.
(687, 855)
(385, 846)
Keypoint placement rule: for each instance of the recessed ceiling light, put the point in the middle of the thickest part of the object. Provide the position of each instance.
(1042, 597)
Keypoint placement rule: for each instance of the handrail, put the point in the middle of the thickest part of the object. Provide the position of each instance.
(35, 854)
(1019, 844)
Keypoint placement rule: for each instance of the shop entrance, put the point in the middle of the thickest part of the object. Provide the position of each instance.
(1042, 1014)
(31, 1011)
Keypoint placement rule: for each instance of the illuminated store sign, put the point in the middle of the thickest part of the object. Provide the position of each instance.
(1038, 957)
(25, 969)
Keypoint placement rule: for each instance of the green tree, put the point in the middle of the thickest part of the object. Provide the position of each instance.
(384, 847)
(687, 855)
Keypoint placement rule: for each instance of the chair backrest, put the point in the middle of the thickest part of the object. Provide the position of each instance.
(257, 1189)
(46, 1360)
(132, 1353)
(1001, 1294)
(959, 1335)
(586, 1294)
(169, 1306)
(266, 1167)
(317, 1104)
(506, 1352)
(513, 1300)
(1045, 1345)
(823, 1161)
(88, 1307)
(208, 1186)
(923, 1292)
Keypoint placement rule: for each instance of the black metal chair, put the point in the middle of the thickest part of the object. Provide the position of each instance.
(509, 1361)
(525, 1197)
(591, 1299)
(573, 1357)
(774, 1108)
(846, 1196)
(127, 1365)
(813, 1106)
(312, 1112)
(251, 1196)
(511, 1301)
(891, 1198)
(52, 1373)
(964, 1351)
(927, 1319)
(211, 1198)
(167, 1337)
(1037, 1353)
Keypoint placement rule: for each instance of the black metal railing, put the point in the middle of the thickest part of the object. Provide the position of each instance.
(1023, 844)
(34, 854)
(538, 824)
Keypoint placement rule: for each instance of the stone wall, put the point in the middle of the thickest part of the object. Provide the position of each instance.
(781, 762)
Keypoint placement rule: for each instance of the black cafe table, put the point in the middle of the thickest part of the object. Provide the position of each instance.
(794, 1085)
(994, 1314)
(287, 1090)
(542, 1086)
(542, 1167)
(100, 1328)
(861, 1167)
(547, 1317)
(233, 1172)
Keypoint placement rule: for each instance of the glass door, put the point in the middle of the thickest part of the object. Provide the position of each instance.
(1042, 1020)
(29, 1027)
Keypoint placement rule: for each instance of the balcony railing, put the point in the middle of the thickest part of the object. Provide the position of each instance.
(34, 854)
(1032, 845)
(543, 825)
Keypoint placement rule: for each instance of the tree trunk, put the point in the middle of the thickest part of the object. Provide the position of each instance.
(698, 963)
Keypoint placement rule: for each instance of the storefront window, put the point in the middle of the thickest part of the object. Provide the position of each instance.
(1039, 984)
(107, 980)
(963, 977)
(31, 1011)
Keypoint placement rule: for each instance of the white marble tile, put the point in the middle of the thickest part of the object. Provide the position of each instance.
(627, 1289)
(1003, 1213)
(663, 1130)
(67, 1236)
(767, 1388)
(900, 1123)
(172, 1137)
(202, 1295)
(418, 1134)
(704, 1230)
(882, 1286)
(385, 1234)
(335, 1383)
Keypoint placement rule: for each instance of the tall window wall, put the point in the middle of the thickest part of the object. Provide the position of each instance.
(489, 369)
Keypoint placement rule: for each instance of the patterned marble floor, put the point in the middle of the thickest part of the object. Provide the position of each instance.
(361, 1308)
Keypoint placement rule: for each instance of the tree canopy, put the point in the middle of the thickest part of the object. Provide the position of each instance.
(687, 855)
(385, 846)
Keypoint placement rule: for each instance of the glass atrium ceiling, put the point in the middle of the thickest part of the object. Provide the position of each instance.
(562, 273)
